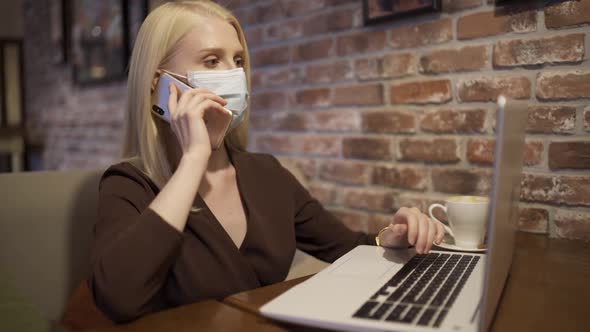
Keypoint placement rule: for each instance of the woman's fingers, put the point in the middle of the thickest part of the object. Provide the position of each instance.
(422, 233)
(431, 233)
(172, 99)
(412, 222)
(440, 232)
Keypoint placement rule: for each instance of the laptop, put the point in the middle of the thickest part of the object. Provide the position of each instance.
(378, 289)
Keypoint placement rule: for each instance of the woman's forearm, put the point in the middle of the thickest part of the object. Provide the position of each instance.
(176, 199)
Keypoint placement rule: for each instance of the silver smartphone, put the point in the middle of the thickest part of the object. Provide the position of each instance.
(217, 121)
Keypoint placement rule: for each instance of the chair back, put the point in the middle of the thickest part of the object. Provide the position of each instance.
(46, 222)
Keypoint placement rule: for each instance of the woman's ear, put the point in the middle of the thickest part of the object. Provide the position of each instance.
(155, 80)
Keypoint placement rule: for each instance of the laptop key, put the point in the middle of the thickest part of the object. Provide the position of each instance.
(411, 314)
(365, 310)
(395, 314)
(426, 316)
(440, 317)
(383, 308)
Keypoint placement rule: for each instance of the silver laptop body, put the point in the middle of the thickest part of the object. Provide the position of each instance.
(365, 283)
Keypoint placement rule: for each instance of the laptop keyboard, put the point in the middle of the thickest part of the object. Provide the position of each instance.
(422, 292)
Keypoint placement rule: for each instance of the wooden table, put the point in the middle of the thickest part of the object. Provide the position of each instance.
(548, 290)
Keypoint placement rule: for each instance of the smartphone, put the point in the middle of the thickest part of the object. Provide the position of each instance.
(217, 121)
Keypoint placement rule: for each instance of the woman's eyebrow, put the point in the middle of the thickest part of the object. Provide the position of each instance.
(219, 50)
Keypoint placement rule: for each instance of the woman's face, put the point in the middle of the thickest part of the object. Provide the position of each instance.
(212, 44)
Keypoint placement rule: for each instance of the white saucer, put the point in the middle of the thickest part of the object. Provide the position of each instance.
(450, 246)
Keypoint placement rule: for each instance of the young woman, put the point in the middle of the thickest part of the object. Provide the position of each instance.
(181, 222)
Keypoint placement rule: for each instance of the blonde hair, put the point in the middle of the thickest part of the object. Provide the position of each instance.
(158, 38)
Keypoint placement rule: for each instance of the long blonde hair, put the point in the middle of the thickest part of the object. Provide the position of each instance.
(144, 143)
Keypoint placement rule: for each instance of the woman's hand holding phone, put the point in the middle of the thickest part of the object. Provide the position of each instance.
(186, 119)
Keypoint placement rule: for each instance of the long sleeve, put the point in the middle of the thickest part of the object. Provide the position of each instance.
(134, 248)
(319, 232)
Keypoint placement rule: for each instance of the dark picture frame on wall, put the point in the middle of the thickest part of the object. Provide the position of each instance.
(100, 36)
(377, 11)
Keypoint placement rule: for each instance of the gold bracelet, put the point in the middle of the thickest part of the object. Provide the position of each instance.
(377, 240)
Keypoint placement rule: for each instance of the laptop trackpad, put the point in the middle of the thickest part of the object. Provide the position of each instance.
(363, 267)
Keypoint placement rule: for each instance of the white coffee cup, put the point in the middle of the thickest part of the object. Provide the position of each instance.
(467, 219)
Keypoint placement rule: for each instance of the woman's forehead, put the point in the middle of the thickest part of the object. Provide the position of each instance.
(211, 32)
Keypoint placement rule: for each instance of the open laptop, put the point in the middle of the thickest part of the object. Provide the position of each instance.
(377, 289)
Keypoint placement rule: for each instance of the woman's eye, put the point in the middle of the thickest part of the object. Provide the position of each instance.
(211, 62)
(239, 62)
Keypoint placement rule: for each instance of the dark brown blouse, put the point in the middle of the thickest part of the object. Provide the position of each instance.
(142, 264)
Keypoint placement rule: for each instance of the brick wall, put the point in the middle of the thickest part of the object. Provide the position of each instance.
(378, 117)
(77, 127)
(402, 113)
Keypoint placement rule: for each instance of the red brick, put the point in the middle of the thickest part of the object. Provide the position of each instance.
(354, 220)
(567, 13)
(313, 97)
(270, 56)
(461, 181)
(361, 42)
(246, 16)
(334, 121)
(450, 6)
(374, 199)
(468, 58)
(533, 220)
(284, 121)
(491, 23)
(488, 89)
(454, 121)
(359, 95)
(572, 224)
(325, 146)
(345, 171)
(282, 76)
(323, 192)
(306, 166)
(400, 177)
(389, 121)
(567, 190)
(268, 12)
(563, 85)
(388, 66)
(569, 155)
(551, 119)
(284, 30)
(329, 72)
(429, 33)
(519, 52)
(313, 50)
(277, 144)
(254, 36)
(332, 21)
(425, 92)
(481, 151)
(268, 101)
(256, 80)
(298, 7)
(375, 148)
(437, 150)
(533, 153)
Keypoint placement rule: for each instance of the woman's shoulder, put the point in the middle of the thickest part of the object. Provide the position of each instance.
(123, 174)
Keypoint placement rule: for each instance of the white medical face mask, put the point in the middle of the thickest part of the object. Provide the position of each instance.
(230, 85)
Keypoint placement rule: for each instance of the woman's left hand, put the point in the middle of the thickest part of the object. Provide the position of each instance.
(412, 227)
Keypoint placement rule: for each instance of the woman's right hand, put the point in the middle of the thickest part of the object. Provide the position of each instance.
(186, 119)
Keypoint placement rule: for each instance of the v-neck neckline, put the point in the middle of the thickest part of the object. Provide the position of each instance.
(231, 151)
